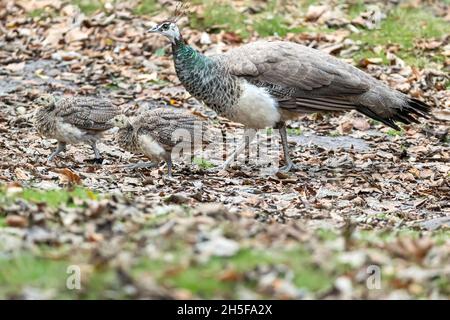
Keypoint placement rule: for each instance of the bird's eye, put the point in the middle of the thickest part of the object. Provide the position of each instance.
(165, 27)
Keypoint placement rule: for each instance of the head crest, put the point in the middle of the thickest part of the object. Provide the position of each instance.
(180, 11)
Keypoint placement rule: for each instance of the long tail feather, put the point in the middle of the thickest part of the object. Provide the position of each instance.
(409, 113)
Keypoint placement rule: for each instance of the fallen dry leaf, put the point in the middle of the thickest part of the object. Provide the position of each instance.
(68, 176)
(16, 221)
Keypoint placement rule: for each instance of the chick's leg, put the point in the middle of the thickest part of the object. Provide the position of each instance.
(169, 167)
(98, 158)
(61, 148)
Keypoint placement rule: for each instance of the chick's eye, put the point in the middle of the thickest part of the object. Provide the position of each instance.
(165, 27)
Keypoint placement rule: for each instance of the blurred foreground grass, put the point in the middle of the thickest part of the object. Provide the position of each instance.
(176, 265)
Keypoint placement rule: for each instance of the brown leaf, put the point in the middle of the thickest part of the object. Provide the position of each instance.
(442, 115)
(411, 249)
(314, 12)
(345, 127)
(15, 67)
(16, 221)
(31, 5)
(366, 61)
(22, 174)
(361, 124)
(231, 38)
(67, 176)
(76, 34)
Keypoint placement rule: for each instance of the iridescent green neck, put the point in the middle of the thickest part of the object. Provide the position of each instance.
(207, 79)
(187, 56)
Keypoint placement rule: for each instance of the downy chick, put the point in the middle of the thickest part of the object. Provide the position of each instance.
(73, 120)
(156, 133)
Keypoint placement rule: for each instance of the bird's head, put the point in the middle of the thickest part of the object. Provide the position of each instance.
(45, 100)
(169, 29)
(120, 121)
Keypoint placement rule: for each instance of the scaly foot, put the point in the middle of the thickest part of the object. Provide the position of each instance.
(288, 167)
(94, 161)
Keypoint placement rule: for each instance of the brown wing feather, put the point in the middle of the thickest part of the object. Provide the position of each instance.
(162, 125)
(293, 66)
(86, 112)
(308, 80)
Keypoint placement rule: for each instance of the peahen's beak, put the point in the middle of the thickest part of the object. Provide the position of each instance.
(154, 29)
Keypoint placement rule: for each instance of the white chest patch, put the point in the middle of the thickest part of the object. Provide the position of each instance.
(69, 133)
(255, 109)
(151, 148)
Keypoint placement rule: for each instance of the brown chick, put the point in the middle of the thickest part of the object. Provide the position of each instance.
(157, 133)
(73, 120)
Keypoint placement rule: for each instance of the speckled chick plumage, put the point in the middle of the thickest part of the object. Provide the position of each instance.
(73, 120)
(155, 133)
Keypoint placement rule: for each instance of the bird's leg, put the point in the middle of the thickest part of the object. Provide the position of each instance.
(249, 135)
(283, 134)
(61, 148)
(98, 158)
(169, 167)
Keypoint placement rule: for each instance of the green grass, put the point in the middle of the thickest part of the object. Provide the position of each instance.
(177, 268)
(294, 131)
(355, 8)
(53, 198)
(36, 13)
(374, 238)
(395, 133)
(28, 271)
(403, 27)
(274, 25)
(221, 15)
(160, 52)
(203, 163)
(334, 133)
(89, 6)
(327, 234)
(49, 275)
(203, 279)
(146, 7)
(217, 16)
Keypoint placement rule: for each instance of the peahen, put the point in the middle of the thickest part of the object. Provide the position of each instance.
(264, 84)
